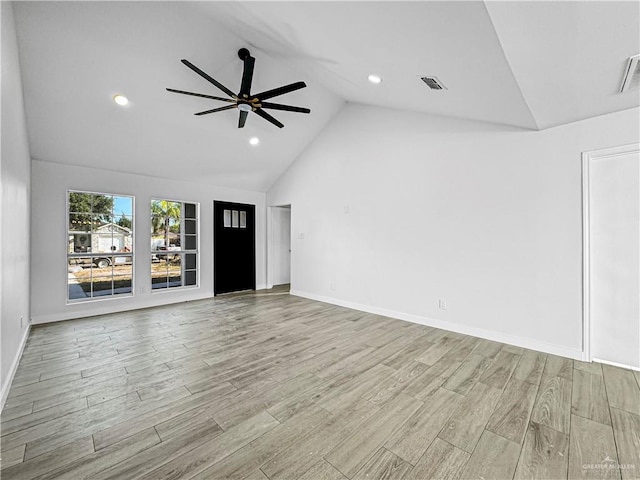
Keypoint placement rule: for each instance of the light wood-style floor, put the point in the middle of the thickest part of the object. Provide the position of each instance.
(277, 387)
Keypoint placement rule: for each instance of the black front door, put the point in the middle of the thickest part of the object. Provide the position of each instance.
(234, 247)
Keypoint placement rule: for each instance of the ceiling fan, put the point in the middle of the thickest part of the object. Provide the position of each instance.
(244, 100)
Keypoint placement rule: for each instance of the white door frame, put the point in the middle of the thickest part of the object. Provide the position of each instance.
(587, 158)
(270, 249)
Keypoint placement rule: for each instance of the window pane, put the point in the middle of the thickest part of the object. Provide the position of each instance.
(243, 219)
(190, 277)
(80, 243)
(234, 219)
(102, 286)
(175, 270)
(122, 286)
(227, 218)
(123, 206)
(190, 210)
(190, 227)
(190, 242)
(79, 222)
(102, 204)
(79, 202)
(190, 261)
(79, 278)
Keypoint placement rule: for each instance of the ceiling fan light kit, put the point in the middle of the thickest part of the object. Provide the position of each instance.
(244, 101)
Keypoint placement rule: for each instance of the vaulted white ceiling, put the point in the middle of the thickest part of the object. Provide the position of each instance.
(526, 64)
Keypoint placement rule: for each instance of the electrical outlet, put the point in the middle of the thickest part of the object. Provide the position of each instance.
(346, 209)
(332, 285)
(301, 236)
(442, 304)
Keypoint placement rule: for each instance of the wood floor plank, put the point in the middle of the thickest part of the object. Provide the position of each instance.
(589, 398)
(592, 450)
(12, 457)
(250, 457)
(511, 415)
(626, 431)
(545, 454)
(465, 377)
(40, 465)
(530, 367)
(296, 460)
(623, 391)
(16, 412)
(42, 416)
(412, 439)
(433, 353)
(487, 348)
(441, 460)
(590, 367)
(558, 367)
(357, 449)
(202, 457)
(395, 383)
(409, 353)
(157, 455)
(164, 412)
(384, 465)
(322, 470)
(553, 404)
(499, 371)
(467, 423)
(493, 457)
(96, 462)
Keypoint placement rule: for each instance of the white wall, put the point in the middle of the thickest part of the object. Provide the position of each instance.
(399, 209)
(15, 175)
(51, 182)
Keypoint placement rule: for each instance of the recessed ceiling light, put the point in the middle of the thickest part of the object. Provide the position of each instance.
(375, 79)
(121, 100)
(254, 141)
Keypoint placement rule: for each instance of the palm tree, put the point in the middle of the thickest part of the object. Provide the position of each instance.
(162, 212)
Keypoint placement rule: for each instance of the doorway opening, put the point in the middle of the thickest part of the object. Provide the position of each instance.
(279, 248)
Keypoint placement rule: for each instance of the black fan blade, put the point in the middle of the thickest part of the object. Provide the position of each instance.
(280, 90)
(268, 117)
(200, 95)
(208, 77)
(247, 76)
(286, 108)
(242, 119)
(228, 107)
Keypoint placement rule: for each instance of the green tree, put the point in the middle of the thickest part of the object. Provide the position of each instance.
(124, 222)
(89, 208)
(162, 212)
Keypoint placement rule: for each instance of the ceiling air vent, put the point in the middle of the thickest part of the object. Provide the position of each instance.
(433, 83)
(631, 79)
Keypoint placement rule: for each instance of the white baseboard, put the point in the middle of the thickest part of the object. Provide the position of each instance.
(452, 327)
(12, 370)
(615, 364)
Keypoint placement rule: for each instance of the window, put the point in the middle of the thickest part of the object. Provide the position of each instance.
(99, 245)
(174, 244)
(235, 219)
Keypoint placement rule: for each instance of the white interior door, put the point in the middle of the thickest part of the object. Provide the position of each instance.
(613, 190)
